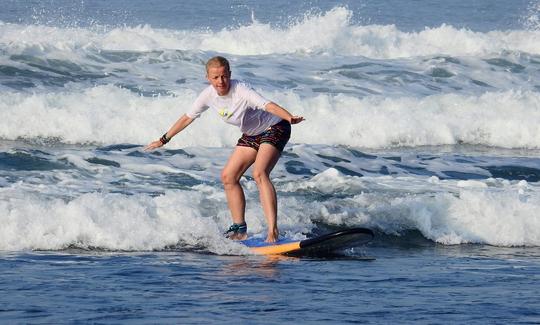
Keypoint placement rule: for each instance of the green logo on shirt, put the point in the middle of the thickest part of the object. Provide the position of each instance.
(224, 113)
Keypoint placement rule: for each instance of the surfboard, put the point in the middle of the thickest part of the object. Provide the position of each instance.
(319, 245)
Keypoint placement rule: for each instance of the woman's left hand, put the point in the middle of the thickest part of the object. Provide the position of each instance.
(296, 119)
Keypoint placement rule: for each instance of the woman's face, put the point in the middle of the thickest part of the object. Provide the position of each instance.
(220, 78)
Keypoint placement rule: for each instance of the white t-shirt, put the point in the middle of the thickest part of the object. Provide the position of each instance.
(242, 107)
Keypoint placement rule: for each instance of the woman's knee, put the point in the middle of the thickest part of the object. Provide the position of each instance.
(260, 175)
(228, 178)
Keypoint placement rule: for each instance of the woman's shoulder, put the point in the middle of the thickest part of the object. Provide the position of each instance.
(241, 86)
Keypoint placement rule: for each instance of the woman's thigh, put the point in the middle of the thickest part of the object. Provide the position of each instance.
(238, 163)
(267, 157)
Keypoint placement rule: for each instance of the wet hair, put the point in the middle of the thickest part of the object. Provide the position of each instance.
(218, 61)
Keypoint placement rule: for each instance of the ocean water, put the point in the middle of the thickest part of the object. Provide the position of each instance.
(422, 124)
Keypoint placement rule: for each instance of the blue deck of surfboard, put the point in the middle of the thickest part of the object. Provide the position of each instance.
(260, 242)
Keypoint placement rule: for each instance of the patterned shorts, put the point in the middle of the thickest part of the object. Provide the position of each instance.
(277, 135)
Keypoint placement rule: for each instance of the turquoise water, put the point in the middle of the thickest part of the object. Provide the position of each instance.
(421, 124)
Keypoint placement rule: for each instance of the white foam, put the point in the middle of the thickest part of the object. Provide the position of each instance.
(177, 219)
(471, 183)
(103, 114)
(110, 115)
(331, 32)
(532, 20)
(503, 119)
(110, 221)
(497, 212)
(501, 217)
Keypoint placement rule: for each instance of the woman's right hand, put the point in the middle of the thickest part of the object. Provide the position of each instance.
(153, 145)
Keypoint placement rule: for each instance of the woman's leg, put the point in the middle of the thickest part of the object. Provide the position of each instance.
(238, 163)
(266, 159)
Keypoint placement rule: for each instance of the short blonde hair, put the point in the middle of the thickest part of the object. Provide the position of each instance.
(218, 61)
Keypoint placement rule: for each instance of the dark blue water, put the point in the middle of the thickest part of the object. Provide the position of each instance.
(406, 283)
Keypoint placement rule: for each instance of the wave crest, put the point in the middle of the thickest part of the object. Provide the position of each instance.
(328, 33)
(111, 115)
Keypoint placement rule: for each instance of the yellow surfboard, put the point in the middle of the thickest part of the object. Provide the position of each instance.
(319, 245)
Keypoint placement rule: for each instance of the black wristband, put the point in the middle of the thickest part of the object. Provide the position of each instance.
(164, 139)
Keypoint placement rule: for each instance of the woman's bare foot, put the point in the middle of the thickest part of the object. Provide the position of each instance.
(272, 236)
